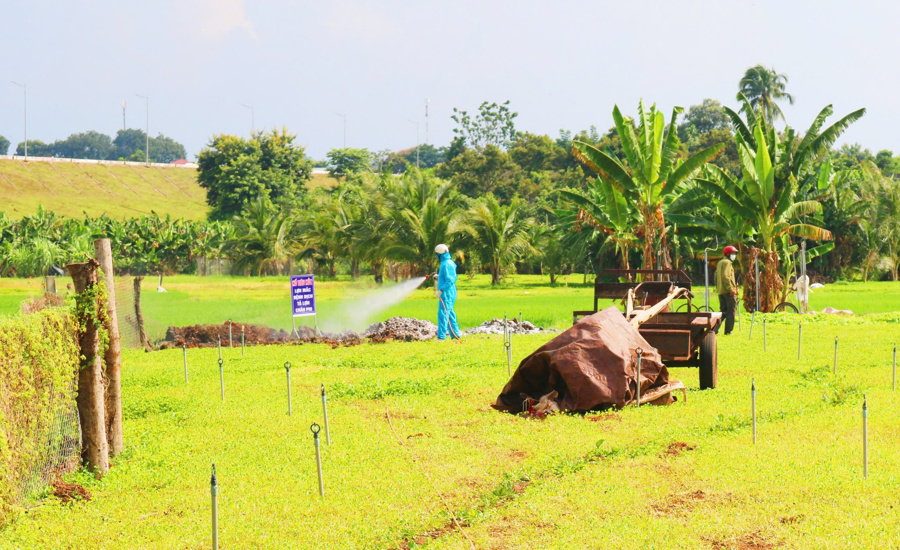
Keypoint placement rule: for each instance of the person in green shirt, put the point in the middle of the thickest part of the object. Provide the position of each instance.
(727, 287)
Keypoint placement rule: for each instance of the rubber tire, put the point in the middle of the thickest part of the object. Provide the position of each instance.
(786, 306)
(684, 306)
(709, 367)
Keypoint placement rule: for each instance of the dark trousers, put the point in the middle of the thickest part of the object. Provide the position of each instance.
(728, 305)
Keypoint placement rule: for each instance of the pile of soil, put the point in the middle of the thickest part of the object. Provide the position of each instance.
(68, 492)
(495, 326)
(406, 329)
(203, 336)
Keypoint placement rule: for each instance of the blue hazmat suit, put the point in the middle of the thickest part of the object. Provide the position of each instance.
(446, 283)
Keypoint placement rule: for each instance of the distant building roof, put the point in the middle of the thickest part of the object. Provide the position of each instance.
(180, 161)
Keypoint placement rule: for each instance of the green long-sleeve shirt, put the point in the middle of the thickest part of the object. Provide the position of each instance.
(725, 277)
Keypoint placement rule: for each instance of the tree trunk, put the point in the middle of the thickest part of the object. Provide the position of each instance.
(91, 407)
(113, 356)
(649, 234)
(495, 275)
(139, 315)
(354, 269)
(378, 272)
(552, 277)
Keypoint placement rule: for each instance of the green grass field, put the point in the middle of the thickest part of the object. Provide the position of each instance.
(118, 190)
(213, 300)
(686, 475)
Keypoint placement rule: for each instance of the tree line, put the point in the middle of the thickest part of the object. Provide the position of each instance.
(129, 144)
(651, 191)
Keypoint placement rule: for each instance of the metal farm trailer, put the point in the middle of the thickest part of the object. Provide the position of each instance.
(683, 339)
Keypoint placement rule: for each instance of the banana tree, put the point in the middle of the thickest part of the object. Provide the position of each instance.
(770, 205)
(600, 206)
(650, 173)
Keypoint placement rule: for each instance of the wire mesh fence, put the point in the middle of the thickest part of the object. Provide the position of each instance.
(57, 443)
(213, 266)
(128, 327)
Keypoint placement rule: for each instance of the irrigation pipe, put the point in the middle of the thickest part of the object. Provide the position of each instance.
(387, 414)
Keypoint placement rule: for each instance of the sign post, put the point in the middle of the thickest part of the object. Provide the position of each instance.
(303, 300)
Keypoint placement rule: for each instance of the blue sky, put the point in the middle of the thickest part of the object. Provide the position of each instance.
(562, 64)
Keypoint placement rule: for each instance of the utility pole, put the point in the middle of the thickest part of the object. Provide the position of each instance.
(426, 121)
(24, 112)
(147, 99)
(124, 127)
(252, 118)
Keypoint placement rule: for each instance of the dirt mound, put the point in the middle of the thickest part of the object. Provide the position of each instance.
(495, 326)
(67, 492)
(204, 336)
(406, 329)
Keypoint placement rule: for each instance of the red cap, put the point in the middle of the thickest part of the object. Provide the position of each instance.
(729, 250)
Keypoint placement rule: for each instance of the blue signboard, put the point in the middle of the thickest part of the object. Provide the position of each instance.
(303, 295)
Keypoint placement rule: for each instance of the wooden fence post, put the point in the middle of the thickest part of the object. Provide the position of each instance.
(139, 315)
(113, 355)
(91, 406)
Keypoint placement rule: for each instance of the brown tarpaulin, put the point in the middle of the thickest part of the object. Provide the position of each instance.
(592, 366)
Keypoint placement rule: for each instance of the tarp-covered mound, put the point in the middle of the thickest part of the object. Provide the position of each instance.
(592, 366)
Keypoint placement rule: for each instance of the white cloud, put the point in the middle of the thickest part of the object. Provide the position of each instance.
(218, 18)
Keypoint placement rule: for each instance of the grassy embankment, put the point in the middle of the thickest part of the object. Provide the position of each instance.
(687, 475)
(120, 191)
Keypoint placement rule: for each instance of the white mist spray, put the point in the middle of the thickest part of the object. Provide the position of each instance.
(360, 313)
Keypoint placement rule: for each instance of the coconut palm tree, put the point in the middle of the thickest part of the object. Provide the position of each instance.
(883, 216)
(262, 242)
(762, 88)
(497, 234)
(651, 173)
(421, 210)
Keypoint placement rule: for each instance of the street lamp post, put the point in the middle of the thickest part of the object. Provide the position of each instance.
(416, 122)
(252, 118)
(147, 136)
(345, 127)
(24, 112)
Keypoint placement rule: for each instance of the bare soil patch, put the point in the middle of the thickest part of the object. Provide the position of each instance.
(69, 492)
(676, 448)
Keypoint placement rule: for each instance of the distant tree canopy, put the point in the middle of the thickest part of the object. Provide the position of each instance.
(346, 162)
(236, 172)
(36, 148)
(425, 155)
(85, 145)
(130, 144)
(4, 145)
(493, 125)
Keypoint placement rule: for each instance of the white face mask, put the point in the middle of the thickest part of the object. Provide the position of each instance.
(732, 257)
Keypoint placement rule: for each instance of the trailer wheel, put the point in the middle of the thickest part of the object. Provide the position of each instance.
(709, 369)
(786, 306)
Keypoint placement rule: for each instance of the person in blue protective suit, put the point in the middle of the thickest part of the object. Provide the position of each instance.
(446, 293)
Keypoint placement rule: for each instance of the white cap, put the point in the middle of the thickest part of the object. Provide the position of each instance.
(441, 248)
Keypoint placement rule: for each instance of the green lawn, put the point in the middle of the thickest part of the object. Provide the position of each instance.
(193, 300)
(615, 480)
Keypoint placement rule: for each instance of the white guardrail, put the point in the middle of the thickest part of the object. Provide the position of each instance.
(93, 161)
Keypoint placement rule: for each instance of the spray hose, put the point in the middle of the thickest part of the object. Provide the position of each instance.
(449, 325)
